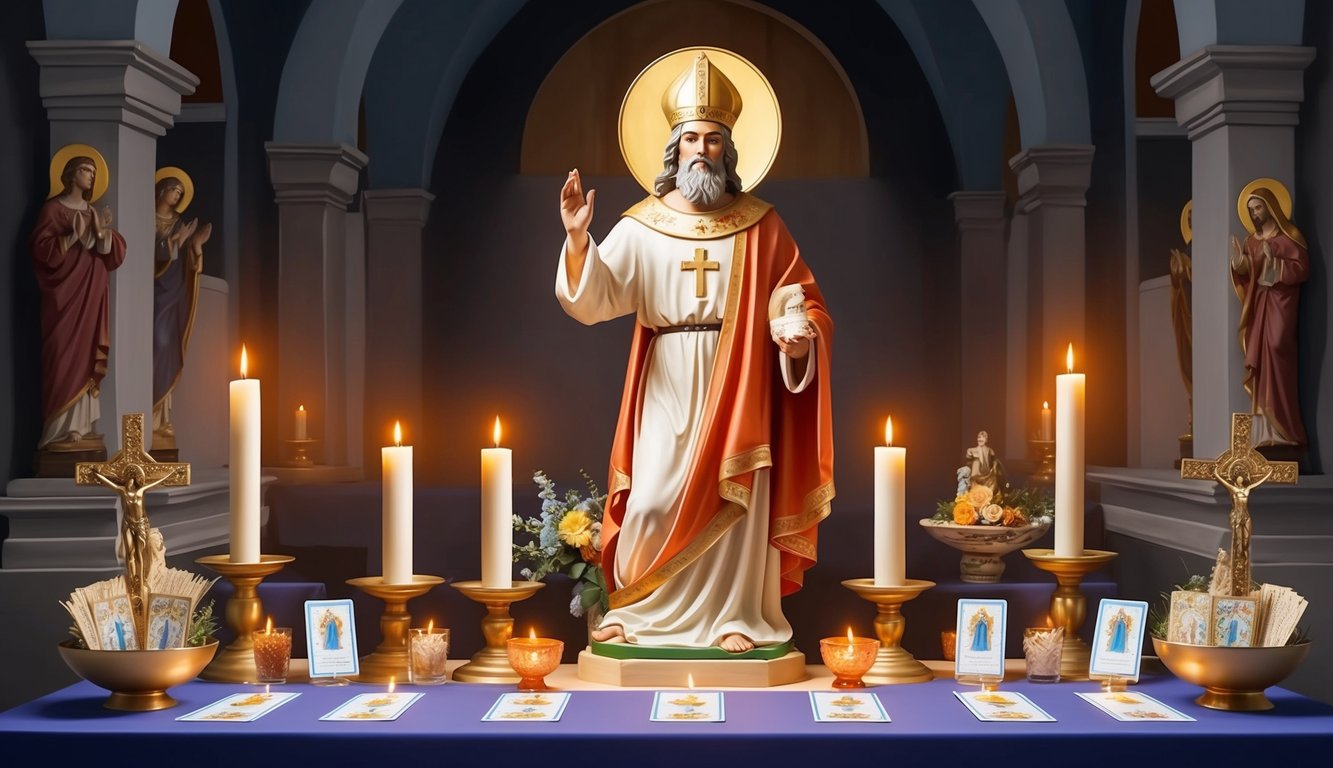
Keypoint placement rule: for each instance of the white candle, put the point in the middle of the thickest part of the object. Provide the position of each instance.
(1069, 397)
(497, 514)
(396, 510)
(890, 511)
(243, 455)
(1046, 433)
(300, 422)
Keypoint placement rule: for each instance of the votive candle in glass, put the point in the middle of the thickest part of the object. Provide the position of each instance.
(533, 658)
(273, 653)
(427, 650)
(848, 658)
(1042, 647)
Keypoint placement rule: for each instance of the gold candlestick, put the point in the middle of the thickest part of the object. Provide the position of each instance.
(491, 664)
(244, 614)
(1045, 456)
(1068, 605)
(892, 664)
(389, 659)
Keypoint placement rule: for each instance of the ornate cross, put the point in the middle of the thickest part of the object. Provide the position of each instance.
(130, 473)
(1240, 469)
(699, 265)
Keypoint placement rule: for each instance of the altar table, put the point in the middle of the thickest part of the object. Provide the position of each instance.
(930, 727)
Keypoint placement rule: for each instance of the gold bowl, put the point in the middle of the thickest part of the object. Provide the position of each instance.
(1233, 679)
(138, 680)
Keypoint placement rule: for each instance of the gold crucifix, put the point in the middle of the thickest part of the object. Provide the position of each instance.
(699, 265)
(130, 473)
(1240, 469)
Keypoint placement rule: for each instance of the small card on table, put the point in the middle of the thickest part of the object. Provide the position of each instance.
(374, 706)
(1117, 639)
(841, 707)
(330, 633)
(688, 707)
(529, 707)
(980, 644)
(1134, 707)
(239, 708)
(1003, 706)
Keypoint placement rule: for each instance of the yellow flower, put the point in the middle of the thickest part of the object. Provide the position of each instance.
(992, 513)
(979, 496)
(576, 528)
(964, 514)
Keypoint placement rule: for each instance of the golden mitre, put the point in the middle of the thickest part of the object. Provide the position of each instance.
(702, 92)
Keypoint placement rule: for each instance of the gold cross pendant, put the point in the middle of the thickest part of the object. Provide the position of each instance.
(699, 265)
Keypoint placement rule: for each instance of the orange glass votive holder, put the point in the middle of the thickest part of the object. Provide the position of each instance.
(848, 658)
(273, 654)
(948, 644)
(533, 658)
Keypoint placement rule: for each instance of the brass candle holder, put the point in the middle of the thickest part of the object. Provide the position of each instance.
(245, 611)
(892, 665)
(300, 452)
(491, 664)
(1069, 607)
(389, 660)
(533, 658)
(1044, 453)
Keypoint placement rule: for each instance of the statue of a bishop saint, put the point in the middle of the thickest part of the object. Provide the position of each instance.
(722, 464)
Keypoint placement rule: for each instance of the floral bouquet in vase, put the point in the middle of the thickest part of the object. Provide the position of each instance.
(566, 537)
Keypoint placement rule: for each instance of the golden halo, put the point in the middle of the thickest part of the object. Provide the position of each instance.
(71, 151)
(644, 131)
(1279, 191)
(1186, 224)
(187, 195)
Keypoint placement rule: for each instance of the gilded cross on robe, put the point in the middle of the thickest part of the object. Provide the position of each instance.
(130, 473)
(1240, 469)
(699, 265)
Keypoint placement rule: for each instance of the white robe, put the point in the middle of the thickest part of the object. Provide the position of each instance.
(734, 586)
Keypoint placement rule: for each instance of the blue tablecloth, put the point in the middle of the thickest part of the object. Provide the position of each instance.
(930, 727)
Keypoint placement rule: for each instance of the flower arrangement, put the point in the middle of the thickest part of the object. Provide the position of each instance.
(566, 537)
(1010, 507)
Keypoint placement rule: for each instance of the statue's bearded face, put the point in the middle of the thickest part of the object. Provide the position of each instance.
(702, 177)
(1258, 211)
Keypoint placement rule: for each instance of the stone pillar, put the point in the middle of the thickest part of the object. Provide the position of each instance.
(1053, 181)
(981, 250)
(1017, 387)
(118, 96)
(395, 218)
(1239, 106)
(314, 184)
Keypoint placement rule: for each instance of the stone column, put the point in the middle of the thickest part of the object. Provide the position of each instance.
(1239, 106)
(395, 218)
(981, 249)
(1053, 181)
(314, 184)
(1018, 389)
(118, 96)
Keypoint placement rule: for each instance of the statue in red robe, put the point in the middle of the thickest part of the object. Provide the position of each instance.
(74, 251)
(1267, 271)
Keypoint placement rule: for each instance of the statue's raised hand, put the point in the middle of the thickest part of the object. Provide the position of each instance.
(576, 211)
(103, 221)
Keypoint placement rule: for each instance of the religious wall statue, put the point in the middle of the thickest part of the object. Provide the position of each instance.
(722, 463)
(1182, 314)
(1267, 271)
(178, 261)
(74, 249)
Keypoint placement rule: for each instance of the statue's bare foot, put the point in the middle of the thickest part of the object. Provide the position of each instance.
(735, 643)
(610, 634)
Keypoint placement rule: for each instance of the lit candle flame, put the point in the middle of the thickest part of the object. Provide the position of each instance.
(496, 432)
(243, 361)
(888, 430)
(300, 407)
(689, 681)
(532, 633)
(266, 694)
(1045, 405)
(430, 626)
(1069, 359)
(268, 626)
(849, 634)
(391, 681)
(397, 433)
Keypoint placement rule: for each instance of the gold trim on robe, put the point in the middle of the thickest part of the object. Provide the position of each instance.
(737, 216)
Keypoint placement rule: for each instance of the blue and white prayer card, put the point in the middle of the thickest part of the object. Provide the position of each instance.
(331, 638)
(980, 644)
(1117, 639)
